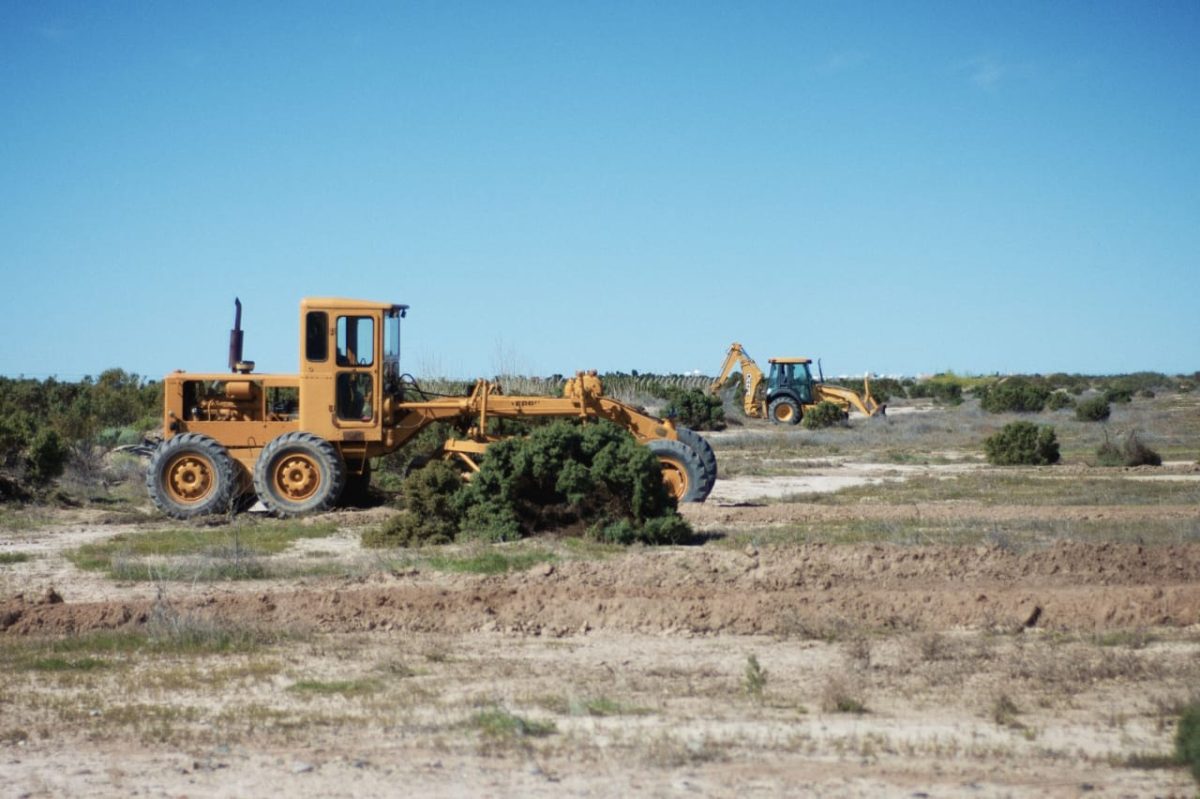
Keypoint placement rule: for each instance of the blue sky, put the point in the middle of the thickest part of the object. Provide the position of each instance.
(894, 187)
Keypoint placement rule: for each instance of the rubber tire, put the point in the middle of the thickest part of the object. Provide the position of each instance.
(782, 402)
(220, 496)
(708, 458)
(685, 459)
(331, 474)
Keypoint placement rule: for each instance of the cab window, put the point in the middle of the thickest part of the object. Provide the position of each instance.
(355, 341)
(316, 342)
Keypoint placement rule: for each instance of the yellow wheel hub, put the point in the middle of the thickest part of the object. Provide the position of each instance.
(675, 477)
(784, 413)
(297, 477)
(189, 478)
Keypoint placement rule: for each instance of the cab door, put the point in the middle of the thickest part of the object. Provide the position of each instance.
(356, 390)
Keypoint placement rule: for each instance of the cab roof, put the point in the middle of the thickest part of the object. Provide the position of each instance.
(791, 360)
(353, 305)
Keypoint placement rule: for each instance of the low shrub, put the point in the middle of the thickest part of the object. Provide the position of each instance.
(1187, 738)
(45, 457)
(1118, 395)
(1095, 409)
(1015, 395)
(1022, 444)
(823, 414)
(430, 515)
(694, 408)
(1109, 454)
(941, 391)
(1135, 453)
(1059, 400)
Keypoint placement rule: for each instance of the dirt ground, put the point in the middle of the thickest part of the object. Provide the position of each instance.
(762, 662)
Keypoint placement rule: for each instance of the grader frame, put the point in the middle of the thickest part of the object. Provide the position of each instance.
(298, 442)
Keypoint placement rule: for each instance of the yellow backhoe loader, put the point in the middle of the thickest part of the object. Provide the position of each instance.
(786, 394)
(298, 441)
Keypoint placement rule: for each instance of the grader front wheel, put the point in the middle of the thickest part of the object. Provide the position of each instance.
(708, 458)
(683, 474)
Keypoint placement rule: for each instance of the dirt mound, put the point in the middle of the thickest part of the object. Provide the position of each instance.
(804, 590)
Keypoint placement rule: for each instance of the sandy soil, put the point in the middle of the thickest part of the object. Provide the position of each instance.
(980, 671)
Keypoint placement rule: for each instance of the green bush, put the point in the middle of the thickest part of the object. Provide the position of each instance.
(823, 414)
(594, 478)
(1014, 395)
(1059, 400)
(1120, 396)
(1109, 454)
(941, 391)
(46, 456)
(430, 514)
(1187, 738)
(1134, 453)
(694, 408)
(1095, 409)
(1022, 443)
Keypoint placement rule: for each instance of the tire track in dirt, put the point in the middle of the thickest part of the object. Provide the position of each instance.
(802, 590)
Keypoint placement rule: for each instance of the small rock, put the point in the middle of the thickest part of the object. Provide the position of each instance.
(751, 551)
(546, 569)
(301, 767)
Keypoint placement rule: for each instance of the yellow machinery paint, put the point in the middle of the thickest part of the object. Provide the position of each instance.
(298, 440)
(787, 394)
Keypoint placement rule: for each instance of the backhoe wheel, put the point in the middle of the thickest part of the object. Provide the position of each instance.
(784, 410)
(191, 475)
(682, 472)
(299, 473)
(708, 458)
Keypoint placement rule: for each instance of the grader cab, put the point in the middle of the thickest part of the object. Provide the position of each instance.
(300, 442)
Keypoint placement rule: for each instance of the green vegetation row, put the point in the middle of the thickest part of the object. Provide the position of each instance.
(46, 423)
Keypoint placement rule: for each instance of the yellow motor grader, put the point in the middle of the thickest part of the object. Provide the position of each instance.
(789, 391)
(297, 442)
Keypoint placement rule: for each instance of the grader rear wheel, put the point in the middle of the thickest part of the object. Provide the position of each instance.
(191, 475)
(299, 473)
(682, 471)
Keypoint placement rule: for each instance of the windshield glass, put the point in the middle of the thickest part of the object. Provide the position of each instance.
(391, 350)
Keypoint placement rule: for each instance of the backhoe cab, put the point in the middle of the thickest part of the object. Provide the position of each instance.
(785, 394)
(299, 443)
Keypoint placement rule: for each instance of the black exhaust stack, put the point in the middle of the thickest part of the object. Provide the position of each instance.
(236, 364)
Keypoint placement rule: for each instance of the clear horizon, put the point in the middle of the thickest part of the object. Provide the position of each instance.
(899, 188)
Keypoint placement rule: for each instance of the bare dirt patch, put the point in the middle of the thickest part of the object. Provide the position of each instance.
(1048, 656)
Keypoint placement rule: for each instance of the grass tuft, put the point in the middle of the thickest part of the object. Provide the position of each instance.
(361, 687)
(499, 724)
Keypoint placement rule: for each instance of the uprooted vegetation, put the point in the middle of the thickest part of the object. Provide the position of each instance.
(563, 477)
